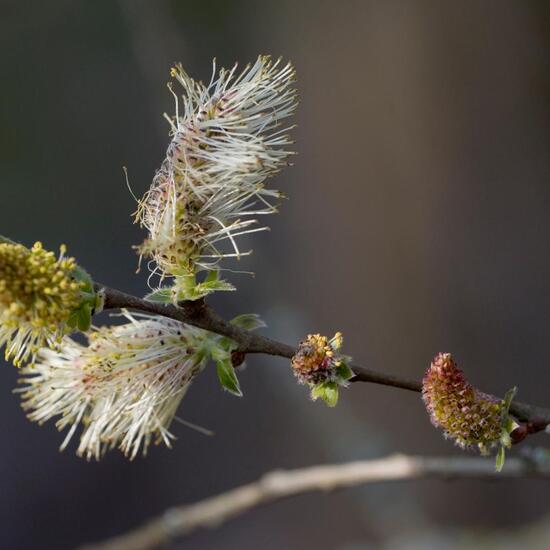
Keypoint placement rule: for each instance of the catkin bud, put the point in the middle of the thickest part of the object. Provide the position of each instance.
(319, 364)
(467, 415)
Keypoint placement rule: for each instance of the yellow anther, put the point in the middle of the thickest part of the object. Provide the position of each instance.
(37, 296)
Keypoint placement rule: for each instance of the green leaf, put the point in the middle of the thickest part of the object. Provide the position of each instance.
(505, 439)
(82, 276)
(327, 391)
(81, 317)
(331, 395)
(248, 321)
(161, 296)
(73, 319)
(226, 344)
(90, 301)
(186, 288)
(212, 276)
(317, 391)
(501, 455)
(84, 318)
(510, 425)
(344, 372)
(220, 347)
(227, 377)
(88, 297)
(206, 287)
(508, 398)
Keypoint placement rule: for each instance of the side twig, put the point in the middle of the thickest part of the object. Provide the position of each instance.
(201, 315)
(214, 511)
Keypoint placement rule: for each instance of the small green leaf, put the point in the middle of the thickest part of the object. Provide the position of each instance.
(345, 372)
(501, 455)
(82, 276)
(505, 439)
(508, 398)
(331, 395)
(161, 296)
(84, 319)
(207, 287)
(327, 391)
(317, 391)
(226, 344)
(248, 321)
(73, 319)
(510, 425)
(218, 352)
(212, 276)
(186, 288)
(88, 297)
(227, 377)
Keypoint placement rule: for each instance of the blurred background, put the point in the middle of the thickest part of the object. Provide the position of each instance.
(417, 222)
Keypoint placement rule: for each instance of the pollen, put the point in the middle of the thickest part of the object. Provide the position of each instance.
(37, 296)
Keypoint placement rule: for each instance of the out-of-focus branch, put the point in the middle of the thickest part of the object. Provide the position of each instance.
(214, 511)
(199, 314)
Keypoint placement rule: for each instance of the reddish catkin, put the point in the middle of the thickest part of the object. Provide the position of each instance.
(466, 415)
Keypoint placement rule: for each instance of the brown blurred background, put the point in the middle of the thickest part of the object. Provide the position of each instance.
(417, 223)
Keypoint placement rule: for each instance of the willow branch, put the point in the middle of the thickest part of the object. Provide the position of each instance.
(214, 511)
(199, 314)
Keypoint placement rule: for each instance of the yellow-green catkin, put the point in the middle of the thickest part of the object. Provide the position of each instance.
(37, 296)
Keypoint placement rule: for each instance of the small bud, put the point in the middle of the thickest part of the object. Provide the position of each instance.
(38, 295)
(319, 364)
(237, 358)
(468, 416)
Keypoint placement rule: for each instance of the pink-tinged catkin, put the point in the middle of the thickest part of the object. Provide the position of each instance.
(468, 416)
(317, 359)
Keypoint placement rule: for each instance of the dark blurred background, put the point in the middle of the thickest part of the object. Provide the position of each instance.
(417, 223)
